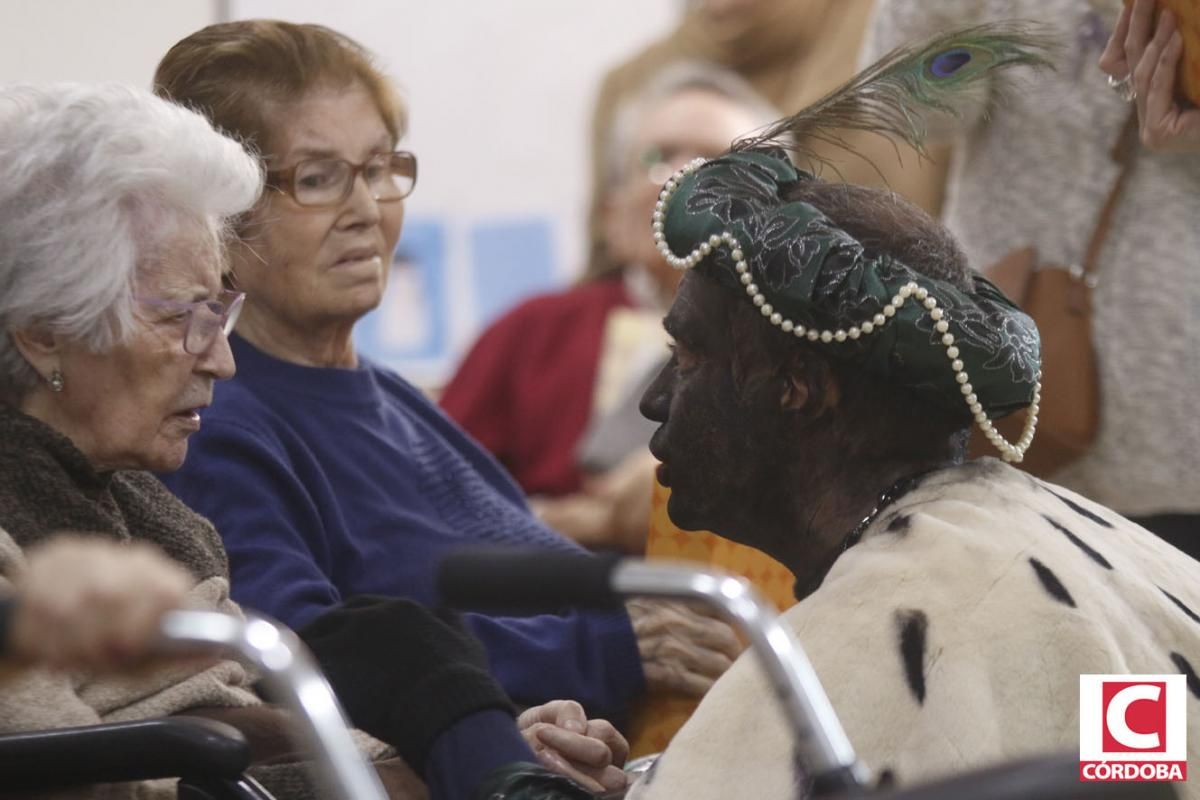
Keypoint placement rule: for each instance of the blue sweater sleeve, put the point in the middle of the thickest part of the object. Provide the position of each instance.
(588, 657)
(273, 510)
(244, 482)
(469, 750)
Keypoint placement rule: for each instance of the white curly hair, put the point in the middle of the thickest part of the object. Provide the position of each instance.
(94, 181)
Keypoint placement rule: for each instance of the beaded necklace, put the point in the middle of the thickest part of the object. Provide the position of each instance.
(886, 498)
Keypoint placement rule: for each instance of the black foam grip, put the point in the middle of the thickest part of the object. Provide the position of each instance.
(526, 581)
(167, 747)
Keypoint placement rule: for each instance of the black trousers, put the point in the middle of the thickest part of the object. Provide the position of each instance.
(1181, 530)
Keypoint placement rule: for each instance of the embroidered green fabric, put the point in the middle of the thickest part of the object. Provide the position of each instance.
(816, 278)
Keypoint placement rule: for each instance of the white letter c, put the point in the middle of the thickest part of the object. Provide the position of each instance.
(1119, 707)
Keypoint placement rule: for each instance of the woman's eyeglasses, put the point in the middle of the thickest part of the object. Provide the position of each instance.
(325, 182)
(204, 318)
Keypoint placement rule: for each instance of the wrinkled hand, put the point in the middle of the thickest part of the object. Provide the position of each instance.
(590, 752)
(683, 650)
(1151, 56)
(89, 603)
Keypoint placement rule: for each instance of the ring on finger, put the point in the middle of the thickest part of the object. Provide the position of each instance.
(1123, 87)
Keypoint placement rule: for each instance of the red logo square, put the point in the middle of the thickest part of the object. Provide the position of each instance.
(1135, 716)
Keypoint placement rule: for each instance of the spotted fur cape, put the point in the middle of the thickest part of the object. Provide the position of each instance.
(953, 637)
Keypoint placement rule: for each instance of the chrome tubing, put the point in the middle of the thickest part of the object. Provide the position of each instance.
(520, 580)
(340, 769)
(819, 737)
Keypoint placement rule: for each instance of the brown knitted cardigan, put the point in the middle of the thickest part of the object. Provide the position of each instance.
(48, 486)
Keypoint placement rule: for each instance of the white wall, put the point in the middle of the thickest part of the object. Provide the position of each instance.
(93, 40)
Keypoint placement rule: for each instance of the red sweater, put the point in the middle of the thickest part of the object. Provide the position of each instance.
(525, 389)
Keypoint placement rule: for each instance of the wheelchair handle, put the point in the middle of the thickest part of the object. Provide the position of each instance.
(538, 581)
(292, 676)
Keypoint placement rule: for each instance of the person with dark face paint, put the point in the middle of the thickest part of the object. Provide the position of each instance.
(832, 350)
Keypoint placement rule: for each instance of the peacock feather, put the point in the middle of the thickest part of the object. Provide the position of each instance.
(899, 95)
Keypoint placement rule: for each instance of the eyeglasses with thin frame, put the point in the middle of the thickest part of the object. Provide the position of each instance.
(325, 182)
(204, 318)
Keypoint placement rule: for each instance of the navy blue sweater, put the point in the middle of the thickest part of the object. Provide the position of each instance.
(329, 483)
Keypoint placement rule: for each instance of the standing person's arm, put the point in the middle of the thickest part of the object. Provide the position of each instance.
(1148, 54)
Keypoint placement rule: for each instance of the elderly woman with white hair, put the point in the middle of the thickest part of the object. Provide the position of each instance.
(114, 205)
(114, 333)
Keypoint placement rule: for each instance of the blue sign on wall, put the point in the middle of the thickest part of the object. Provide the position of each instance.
(510, 261)
(411, 331)
(411, 323)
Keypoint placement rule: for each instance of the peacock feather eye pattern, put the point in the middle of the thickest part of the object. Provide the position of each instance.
(943, 65)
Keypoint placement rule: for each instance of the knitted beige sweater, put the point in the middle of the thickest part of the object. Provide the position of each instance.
(37, 699)
(47, 486)
(1036, 171)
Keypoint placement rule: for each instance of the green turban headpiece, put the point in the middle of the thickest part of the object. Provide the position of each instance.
(971, 352)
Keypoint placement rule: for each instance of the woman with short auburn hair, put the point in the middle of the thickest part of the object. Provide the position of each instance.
(331, 477)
